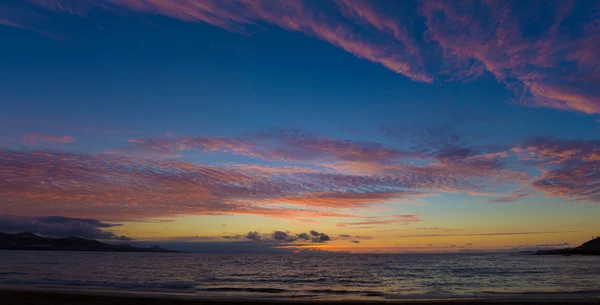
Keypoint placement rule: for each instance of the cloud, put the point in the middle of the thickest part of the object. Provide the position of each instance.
(509, 198)
(59, 226)
(579, 182)
(315, 233)
(283, 237)
(537, 51)
(523, 45)
(274, 145)
(321, 239)
(403, 219)
(548, 151)
(253, 236)
(115, 186)
(539, 246)
(483, 234)
(355, 241)
(349, 199)
(280, 235)
(118, 187)
(35, 138)
(304, 236)
(448, 165)
(570, 167)
(124, 187)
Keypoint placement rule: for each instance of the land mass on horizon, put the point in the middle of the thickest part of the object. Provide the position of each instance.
(591, 247)
(31, 241)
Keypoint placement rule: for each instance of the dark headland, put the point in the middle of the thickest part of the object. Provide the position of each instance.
(30, 241)
(591, 247)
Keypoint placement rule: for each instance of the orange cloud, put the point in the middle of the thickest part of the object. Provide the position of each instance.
(84, 185)
(344, 199)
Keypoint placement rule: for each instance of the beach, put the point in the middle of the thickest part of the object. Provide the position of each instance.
(11, 296)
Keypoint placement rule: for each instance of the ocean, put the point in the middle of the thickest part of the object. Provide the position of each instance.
(304, 276)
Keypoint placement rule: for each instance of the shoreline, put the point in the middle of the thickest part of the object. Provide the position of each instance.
(40, 295)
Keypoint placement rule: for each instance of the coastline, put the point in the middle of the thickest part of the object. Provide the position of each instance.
(48, 296)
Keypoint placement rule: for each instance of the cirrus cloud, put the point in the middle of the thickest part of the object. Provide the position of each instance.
(534, 48)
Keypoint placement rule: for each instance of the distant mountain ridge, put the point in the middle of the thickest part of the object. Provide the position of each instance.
(31, 241)
(591, 247)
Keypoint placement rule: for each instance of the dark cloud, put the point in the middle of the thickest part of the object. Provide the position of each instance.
(321, 239)
(278, 237)
(253, 236)
(59, 226)
(304, 236)
(350, 237)
(355, 241)
(283, 236)
(315, 233)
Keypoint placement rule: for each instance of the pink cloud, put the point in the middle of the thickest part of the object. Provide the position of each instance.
(344, 199)
(535, 67)
(569, 167)
(427, 41)
(579, 182)
(446, 167)
(40, 183)
(274, 145)
(557, 151)
(34, 138)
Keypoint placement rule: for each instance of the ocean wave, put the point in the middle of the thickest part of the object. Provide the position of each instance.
(278, 290)
(13, 273)
(124, 285)
(234, 289)
(541, 293)
(287, 280)
(331, 291)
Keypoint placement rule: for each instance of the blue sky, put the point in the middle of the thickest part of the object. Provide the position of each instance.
(340, 116)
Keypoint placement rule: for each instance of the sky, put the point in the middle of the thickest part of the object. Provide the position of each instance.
(284, 126)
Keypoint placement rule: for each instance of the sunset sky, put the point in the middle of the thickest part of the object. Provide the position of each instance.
(249, 126)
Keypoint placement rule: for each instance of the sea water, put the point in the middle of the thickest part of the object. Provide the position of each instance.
(324, 276)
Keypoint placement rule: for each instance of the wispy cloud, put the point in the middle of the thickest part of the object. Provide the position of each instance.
(41, 182)
(484, 234)
(526, 46)
(59, 226)
(396, 219)
(34, 138)
(570, 167)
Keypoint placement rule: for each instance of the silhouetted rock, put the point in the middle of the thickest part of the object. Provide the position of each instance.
(30, 241)
(591, 247)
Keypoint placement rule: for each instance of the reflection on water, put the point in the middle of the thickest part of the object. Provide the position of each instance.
(310, 276)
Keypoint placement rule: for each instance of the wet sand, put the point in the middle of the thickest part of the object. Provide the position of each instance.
(27, 297)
